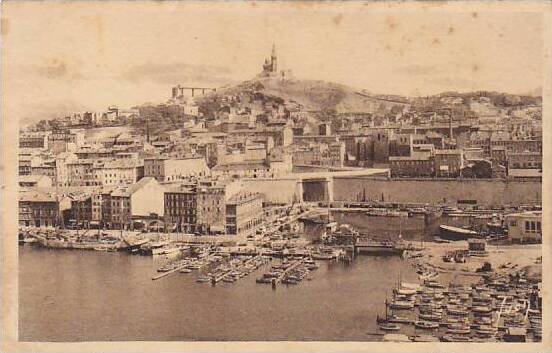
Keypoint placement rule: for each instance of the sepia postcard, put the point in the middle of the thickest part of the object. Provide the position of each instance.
(258, 176)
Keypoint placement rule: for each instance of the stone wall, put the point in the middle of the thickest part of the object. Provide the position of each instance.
(449, 191)
(280, 190)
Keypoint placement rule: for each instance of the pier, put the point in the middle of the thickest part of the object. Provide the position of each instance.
(164, 274)
(278, 280)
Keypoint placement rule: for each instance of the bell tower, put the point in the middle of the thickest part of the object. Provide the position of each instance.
(273, 59)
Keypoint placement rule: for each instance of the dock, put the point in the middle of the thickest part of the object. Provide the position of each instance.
(164, 274)
(276, 281)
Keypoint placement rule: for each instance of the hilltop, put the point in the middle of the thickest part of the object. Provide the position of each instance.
(318, 95)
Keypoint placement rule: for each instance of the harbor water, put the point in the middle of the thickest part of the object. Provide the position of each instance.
(410, 228)
(64, 294)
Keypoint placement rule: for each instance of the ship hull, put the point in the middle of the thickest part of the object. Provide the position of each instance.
(454, 233)
(378, 250)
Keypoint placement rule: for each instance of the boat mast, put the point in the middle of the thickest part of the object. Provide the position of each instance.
(386, 305)
(400, 227)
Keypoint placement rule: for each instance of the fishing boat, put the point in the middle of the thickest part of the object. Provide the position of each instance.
(486, 328)
(104, 248)
(389, 327)
(264, 280)
(203, 279)
(378, 247)
(455, 233)
(433, 309)
(166, 250)
(458, 329)
(482, 309)
(428, 275)
(398, 319)
(185, 270)
(384, 212)
(401, 304)
(457, 320)
(482, 320)
(395, 337)
(425, 338)
(194, 266)
(417, 211)
(404, 291)
(430, 317)
(455, 338)
(29, 240)
(459, 311)
(428, 325)
(433, 284)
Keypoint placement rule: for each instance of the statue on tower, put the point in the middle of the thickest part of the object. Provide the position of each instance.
(273, 59)
(270, 66)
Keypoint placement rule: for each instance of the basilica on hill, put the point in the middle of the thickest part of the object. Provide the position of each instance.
(270, 67)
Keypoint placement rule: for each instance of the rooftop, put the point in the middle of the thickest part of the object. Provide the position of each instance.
(129, 190)
(243, 197)
(36, 196)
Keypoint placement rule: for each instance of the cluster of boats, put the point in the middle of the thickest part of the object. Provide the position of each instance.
(183, 266)
(64, 239)
(480, 312)
(161, 247)
(386, 212)
(234, 269)
(289, 272)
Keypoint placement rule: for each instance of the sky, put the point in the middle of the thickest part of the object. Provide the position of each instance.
(60, 58)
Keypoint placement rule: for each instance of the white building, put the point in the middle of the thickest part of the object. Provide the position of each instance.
(525, 226)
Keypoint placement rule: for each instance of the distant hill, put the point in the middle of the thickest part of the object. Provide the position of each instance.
(318, 95)
(327, 96)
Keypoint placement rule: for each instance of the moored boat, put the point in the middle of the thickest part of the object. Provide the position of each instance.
(455, 233)
(401, 304)
(428, 325)
(386, 326)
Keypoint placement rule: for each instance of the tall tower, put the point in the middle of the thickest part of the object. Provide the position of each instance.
(273, 59)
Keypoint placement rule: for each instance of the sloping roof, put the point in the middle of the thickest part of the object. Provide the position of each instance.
(36, 196)
(128, 191)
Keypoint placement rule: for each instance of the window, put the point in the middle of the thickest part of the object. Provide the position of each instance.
(527, 226)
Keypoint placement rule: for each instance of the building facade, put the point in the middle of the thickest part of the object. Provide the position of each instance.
(166, 169)
(524, 227)
(448, 163)
(244, 213)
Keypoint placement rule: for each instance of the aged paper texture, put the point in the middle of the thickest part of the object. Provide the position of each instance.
(275, 176)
